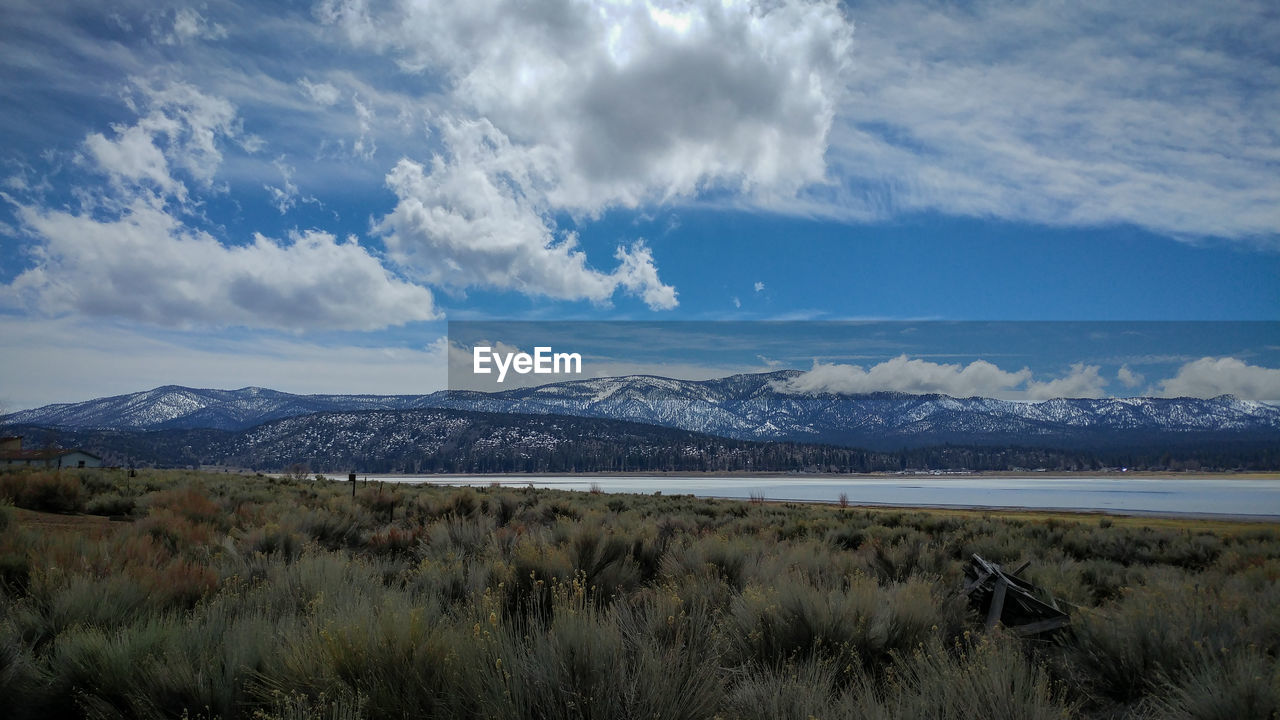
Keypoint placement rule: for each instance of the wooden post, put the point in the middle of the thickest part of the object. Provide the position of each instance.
(997, 602)
(351, 478)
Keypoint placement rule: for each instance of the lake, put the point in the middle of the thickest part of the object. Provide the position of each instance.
(1245, 497)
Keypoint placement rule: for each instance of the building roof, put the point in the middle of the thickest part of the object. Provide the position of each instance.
(43, 454)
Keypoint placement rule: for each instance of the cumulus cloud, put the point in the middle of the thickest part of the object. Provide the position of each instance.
(1082, 381)
(465, 221)
(977, 379)
(1128, 377)
(1210, 377)
(147, 266)
(902, 374)
(133, 156)
(579, 107)
(179, 129)
(632, 101)
(129, 253)
(759, 286)
(638, 275)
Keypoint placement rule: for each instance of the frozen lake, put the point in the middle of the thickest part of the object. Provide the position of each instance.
(1259, 498)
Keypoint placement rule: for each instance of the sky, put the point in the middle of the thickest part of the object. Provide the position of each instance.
(302, 195)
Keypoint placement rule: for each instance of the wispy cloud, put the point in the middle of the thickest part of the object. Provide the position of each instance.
(1083, 113)
(186, 24)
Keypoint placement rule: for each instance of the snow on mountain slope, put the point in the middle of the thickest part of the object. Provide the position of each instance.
(741, 406)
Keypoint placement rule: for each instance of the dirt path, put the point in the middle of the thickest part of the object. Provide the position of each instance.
(94, 525)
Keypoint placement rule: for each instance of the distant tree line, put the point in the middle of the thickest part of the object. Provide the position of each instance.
(790, 457)
(498, 443)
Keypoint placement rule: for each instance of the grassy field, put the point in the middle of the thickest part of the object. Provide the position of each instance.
(250, 597)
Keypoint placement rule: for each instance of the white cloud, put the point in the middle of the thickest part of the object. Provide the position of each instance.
(189, 24)
(364, 146)
(127, 253)
(1128, 377)
(321, 93)
(632, 102)
(1210, 377)
(287, 197)
(179, 128)
(977, 379)
(736, 302)
(637, 275)
(465, 222)
(577, 108)
(133, 156)
(1082, 381)
(902, 374)
(147, 266)
(759, 286)
(1081, 113)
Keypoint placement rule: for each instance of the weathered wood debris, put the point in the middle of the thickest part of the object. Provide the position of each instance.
(1008, 599)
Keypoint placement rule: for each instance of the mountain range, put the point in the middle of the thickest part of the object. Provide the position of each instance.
(743, 407)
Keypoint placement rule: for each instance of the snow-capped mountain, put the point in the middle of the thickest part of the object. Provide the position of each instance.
(173, 407)
(758, 407)
(750, 407)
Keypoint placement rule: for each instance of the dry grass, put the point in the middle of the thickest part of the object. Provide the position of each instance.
(243, 597)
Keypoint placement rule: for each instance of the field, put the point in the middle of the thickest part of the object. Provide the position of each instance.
(230, 596)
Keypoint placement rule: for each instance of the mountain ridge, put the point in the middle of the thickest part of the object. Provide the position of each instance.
(745, 407)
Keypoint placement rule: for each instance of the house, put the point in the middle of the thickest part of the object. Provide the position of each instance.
(12, 454)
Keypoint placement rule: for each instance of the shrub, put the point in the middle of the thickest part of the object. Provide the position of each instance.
(110, 504)
(273, 539)
(189, 503)
(1156, 631)
(22, 680)
(294, 705)
(400, 660)
(43, 491)
(992, 678)
(771, 627)
(798, 691)
(1223, 686)
(394, 541)
(333, 527)
(457, 603)
(381, 501)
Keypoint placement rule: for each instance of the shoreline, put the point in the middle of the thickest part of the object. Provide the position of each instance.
(941, 474)
(599, 483)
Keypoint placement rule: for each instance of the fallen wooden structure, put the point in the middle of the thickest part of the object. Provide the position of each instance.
(1013, 602)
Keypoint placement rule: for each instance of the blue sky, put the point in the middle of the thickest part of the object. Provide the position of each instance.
(300, 195)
